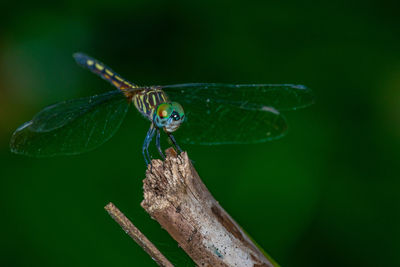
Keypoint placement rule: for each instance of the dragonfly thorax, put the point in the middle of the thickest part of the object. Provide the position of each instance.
(169, 116)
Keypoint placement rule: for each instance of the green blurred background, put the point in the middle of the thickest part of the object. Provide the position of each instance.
(325, 195)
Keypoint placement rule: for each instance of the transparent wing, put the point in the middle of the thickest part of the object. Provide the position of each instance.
(228, 114)
(248, 96)
(71, 127)
(55, 116)
(227, 124)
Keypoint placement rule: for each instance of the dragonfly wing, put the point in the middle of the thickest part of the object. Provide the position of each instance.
(56, 116)
(252, 96)
(71, 127)
(226, 124)
(228, 114)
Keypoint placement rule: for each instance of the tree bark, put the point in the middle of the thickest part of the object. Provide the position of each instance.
(175, 196)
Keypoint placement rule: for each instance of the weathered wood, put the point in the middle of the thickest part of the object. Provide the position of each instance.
(175, 196)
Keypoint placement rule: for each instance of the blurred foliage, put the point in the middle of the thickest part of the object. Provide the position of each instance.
(325, 195)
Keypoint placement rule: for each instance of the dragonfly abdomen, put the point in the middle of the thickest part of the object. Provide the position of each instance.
(103, 71)
(147, 101)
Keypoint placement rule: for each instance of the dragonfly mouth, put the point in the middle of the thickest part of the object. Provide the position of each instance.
(172, 126)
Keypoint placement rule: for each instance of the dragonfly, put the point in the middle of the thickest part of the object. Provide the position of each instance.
(214, 114)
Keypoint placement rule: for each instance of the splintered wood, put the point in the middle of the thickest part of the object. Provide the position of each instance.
(175, 196)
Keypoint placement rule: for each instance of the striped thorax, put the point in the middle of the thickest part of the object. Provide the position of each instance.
(147, 101)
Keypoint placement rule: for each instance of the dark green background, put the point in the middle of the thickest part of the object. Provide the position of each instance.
(325, 195)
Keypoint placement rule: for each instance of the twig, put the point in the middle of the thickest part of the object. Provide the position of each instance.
(136, 235)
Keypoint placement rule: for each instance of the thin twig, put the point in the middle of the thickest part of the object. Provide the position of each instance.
(136, 235)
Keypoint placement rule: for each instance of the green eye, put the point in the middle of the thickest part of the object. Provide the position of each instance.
(169, 116)
(164, 110)
(178, 108)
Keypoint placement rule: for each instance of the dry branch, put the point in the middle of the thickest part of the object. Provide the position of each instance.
(175, 196)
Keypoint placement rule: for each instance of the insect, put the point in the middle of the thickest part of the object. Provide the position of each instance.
(214, 114)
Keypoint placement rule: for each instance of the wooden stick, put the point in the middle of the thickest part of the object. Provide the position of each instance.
(136, 235)
(175, 196)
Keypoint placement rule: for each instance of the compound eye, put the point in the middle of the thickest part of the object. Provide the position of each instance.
(175, 116)
(178, 113)
(164, 110)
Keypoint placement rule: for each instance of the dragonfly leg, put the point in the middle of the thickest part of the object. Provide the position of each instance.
(146, 143)
(175, 143)
(158, 144)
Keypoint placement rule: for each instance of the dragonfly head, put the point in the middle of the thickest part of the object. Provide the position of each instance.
(169, 116)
